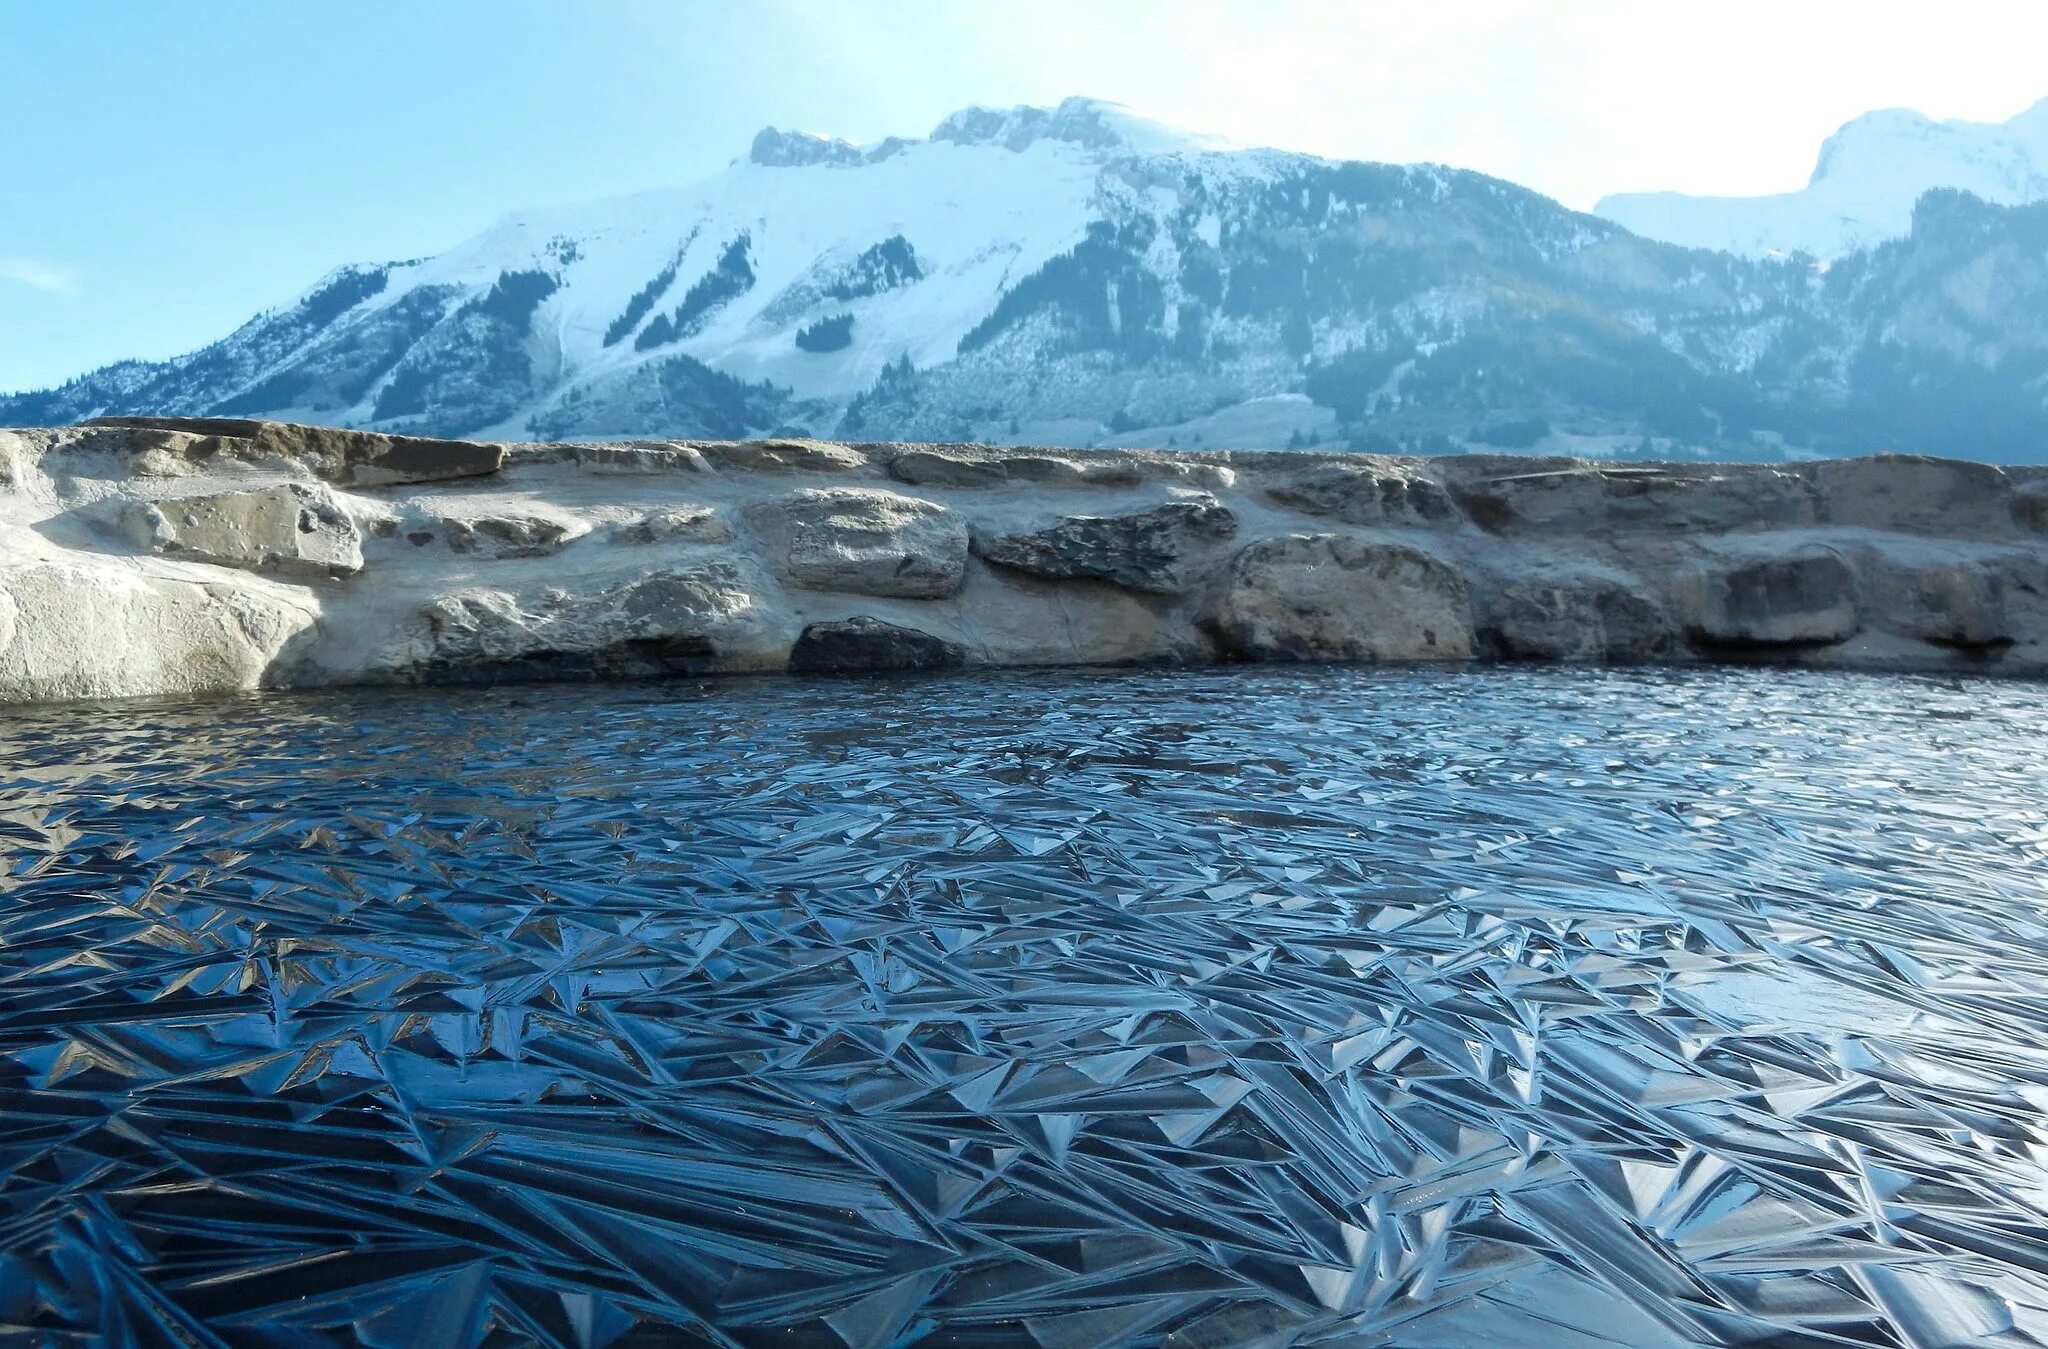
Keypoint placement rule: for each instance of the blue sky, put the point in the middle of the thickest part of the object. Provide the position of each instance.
(169, 168)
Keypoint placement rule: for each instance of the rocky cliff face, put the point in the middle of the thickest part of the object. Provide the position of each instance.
(1073, 277)
(168, 556)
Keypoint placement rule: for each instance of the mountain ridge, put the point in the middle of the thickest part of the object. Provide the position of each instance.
(1866, 179)
(1080, 275)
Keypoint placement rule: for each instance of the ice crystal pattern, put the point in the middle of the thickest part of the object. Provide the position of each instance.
(1191, 1009)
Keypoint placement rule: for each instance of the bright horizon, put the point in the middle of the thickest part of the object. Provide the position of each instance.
(175, 170)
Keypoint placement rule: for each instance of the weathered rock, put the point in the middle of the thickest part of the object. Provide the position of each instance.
(97, 628)
(1803, 598)
(288, 529)
(1052, 471)
(1914, 494)
(666, 622)
(1141, 551)
(870, 646)
(1579, 618)
(2030, 508)
(937, 468)
(351, 458)
(681, 524)
(511, 533)
(169, 454)
(867, 541)
(1363, 494)
(973, 467)
(786, 456)
(640, 460)
(1516, 496)
(1954, 603)
(14, 457)
(1323, 597)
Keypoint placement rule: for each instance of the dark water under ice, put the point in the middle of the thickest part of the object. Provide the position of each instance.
(1203, 1009)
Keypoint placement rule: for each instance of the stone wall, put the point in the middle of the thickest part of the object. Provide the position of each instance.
(167, 556)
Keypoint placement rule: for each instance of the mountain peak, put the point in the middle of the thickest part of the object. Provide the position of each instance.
(1094, 123)
(1874, 133)
(1865, 180)
(776, 148)
(1091, 123)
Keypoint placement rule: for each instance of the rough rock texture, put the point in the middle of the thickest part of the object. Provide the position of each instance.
(1802, 598)
(687, 524)
(1141, 551)
(786, 456)
(353, 458)
(866, 645)
(1368, 493)
(1579, 618)
(641, 459)
(1517, 497)
(289, 529)
(90, 628)
(1915, 494)
(512, 533)
(666, 622)
(975, 466)
(2030, 508)
(1946, 601)
(184, 557)
(865, 541)
(1314, 597)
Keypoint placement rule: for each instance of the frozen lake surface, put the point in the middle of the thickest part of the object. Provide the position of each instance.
(1234, 1007)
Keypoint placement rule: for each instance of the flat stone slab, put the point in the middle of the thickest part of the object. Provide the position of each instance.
(347, 457)
(288, 529)
(1145, 550)
(1803, 598)
(1329, 597)
(868, 541)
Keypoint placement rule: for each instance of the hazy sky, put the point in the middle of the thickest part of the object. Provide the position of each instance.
(171, 168)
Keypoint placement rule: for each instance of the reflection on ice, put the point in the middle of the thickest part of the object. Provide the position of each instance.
(1202, 1009)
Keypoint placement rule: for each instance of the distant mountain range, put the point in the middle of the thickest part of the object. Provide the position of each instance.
(1078, 276)
(1863, 190)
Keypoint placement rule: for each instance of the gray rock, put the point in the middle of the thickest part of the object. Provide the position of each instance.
(15, 457)
(1520, 496)
(1365, 495)
(663, 623)
(1915, 494)
(1956, 603)
(682, 524)
(1141, 551)
(868, 645)
(1581, 618)
(976, 466)
(350, 458)
(96, 627)
(1326, 597)
(640, 460)
(2030, 508)
(785, 456)
(290, 529)
(937, 468)
(1804, 598)
(867, 541)
(511, 533)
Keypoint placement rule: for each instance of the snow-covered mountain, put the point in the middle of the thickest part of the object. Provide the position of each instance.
(1862, 192)
(1080, 276)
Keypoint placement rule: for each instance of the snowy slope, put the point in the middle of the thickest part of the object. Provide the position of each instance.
(1077, 275)
(990, 198)
(1862, 192)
